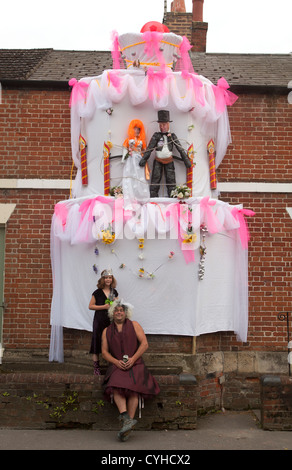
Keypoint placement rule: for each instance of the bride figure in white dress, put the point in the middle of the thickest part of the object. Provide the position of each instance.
(135, 185)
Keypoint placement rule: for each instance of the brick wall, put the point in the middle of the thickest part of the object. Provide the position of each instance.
(261, 131)
(276, 403)
(35, 142)
(35, 134)
(38, 400)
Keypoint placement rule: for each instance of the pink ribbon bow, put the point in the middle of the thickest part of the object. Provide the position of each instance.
(239, 214)
(88, 205)
(61, 212)
(197, 86)
(78, 92)
(207, 215)
(223, 96)
(152, 40)
(156, 84)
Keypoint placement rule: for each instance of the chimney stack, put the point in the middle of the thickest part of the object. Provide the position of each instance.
(190, 25)
(199, 28)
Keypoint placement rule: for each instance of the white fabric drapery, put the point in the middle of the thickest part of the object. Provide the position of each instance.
(169, 298)
(115, 87)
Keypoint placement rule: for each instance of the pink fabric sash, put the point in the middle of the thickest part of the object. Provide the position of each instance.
(223, 96)
(78, 92)
(156, 83)
(207, 216)
(115, 80)
(197, 86)
(184, 64)
(116, 56)
(61, 212)
(239, 214)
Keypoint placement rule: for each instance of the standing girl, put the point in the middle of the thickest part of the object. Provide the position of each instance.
(100, 302)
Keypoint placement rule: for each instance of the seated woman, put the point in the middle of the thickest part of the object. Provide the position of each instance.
(127, 378)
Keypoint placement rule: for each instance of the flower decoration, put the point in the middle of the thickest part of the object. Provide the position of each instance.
(141, 243)
(181, 192)
(189, 238)
(171, 255)
(109, 111)
(116, 191)
(141, 272)
(122, 266)
(108, 236)
(95, 269)
(96, 251)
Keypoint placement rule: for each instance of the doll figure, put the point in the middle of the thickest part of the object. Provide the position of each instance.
(163, 142)
(135, 185)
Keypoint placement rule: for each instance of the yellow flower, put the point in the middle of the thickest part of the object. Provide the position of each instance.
(108, 237)
(190, 238)
(141, 245)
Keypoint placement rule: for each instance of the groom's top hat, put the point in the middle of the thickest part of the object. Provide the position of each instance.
(163, 116)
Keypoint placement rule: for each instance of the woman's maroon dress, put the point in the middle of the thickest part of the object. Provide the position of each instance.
(135, 380)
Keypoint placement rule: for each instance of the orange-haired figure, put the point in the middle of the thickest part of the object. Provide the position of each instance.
(135, 185)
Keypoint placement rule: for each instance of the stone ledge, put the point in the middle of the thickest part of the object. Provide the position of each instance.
(53, 400)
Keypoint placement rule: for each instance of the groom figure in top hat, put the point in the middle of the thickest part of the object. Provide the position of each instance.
(162, 142)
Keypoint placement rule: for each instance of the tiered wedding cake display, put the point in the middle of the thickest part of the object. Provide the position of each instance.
(147, 137)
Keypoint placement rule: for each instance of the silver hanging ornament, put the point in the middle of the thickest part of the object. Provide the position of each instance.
(203, 252)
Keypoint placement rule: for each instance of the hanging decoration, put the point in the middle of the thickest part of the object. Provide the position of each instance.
(212, 168)
(108, 235)
(203, 252)
(142, 273)
(83, 151)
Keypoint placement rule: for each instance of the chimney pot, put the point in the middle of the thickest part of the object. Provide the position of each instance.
(198, 6)
(178, 6)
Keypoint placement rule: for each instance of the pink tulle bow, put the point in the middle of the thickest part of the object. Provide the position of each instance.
(197, 86)
(152, 45)
(239, 214)
(223, 96)
(89, 204)
(156, 84)
(208, 216)
(78, 92)
(152, 40)
(61, 212)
